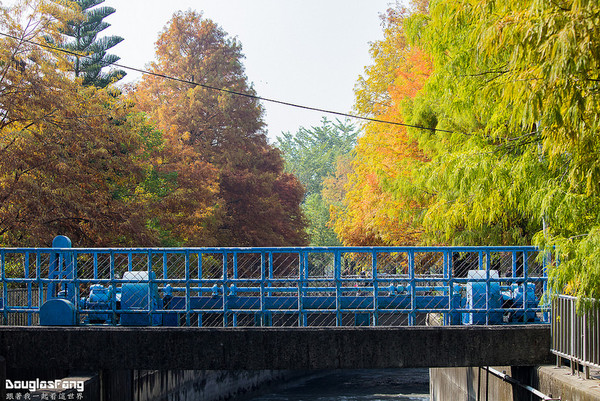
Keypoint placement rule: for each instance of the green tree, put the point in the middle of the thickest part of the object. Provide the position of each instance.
(83, 29)
(517, 84)
(311, 155)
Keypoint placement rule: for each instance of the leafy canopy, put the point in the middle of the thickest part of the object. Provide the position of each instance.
(255, 203)
(517, 83)
(311, 155)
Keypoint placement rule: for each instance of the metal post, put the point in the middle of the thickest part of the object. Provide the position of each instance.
(29, 294)
(448, 276)
(75, 287)
(38, 276)
(149, 269)
(262, 290)
(375, 320)
(413, 289)
(337, 265)
(188, 301)
(200, 284)
(269, 286)
(303, 276)
(572, 347)
(113, 298)
(95, 262)
(525, 281)
(235, 277)
(225, 286)
(514, 264)
(488, 290)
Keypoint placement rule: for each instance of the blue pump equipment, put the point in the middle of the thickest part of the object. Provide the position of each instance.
(140, 298)
(138, 301)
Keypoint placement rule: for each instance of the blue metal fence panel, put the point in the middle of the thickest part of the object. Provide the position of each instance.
(293, 286)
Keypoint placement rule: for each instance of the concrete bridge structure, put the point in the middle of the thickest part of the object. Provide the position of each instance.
(165, 348)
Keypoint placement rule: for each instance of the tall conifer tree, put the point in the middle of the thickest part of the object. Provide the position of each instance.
(83, 32)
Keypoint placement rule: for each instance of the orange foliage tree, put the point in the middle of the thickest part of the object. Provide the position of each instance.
(381, 205)
(68, 160)
(220, 136)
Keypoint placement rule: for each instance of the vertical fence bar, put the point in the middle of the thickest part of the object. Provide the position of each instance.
(596, 336)
(150, 286)
(113, 297)
(375, 319)
(38, 276)
(525, 283)
(4, 289)
(488, 286)
(200, 284)
(95, 265)
(514, 264)
(188, 300)
(29, 294)
(546, 262)
(235, 276)
(225, 288)
(447, 276)
(61, 274)
(76, 285)
(303, 266)
(263, 306)
(584, 343)
(573, 347)
(413, 289)
(269, 286)
(337, 264)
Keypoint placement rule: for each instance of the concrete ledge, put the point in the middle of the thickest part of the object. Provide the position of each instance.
(274, 348)
(560, 383)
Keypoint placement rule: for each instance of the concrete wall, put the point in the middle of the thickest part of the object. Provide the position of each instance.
(560, 383)
(474, 384)
(470, 384)
(201, 385)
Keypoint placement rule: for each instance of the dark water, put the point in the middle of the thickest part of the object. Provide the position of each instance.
(355, 385)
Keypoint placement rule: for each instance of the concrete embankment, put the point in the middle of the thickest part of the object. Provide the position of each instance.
(474, 384)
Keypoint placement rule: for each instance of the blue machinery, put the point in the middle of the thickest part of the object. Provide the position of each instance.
(337, 286)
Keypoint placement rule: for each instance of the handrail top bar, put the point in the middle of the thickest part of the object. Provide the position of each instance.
(363, 249)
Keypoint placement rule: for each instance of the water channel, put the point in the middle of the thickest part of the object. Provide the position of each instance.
(354, 385)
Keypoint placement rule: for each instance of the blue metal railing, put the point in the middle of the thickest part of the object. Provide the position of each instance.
(335, 286)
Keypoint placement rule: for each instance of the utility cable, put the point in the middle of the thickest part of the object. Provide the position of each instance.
(232, 92)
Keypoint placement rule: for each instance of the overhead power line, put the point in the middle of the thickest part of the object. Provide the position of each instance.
(248, 95)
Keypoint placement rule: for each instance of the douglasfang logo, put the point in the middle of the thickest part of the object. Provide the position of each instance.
(37, 384)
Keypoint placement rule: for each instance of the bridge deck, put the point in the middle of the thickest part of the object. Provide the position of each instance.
(105, 347)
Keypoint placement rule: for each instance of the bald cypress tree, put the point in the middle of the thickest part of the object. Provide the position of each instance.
(83, 33)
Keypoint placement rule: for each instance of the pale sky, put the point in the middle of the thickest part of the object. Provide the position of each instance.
(309, 52)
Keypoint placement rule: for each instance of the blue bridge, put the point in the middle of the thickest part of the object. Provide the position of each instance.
(243, 287)
(272, 308)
